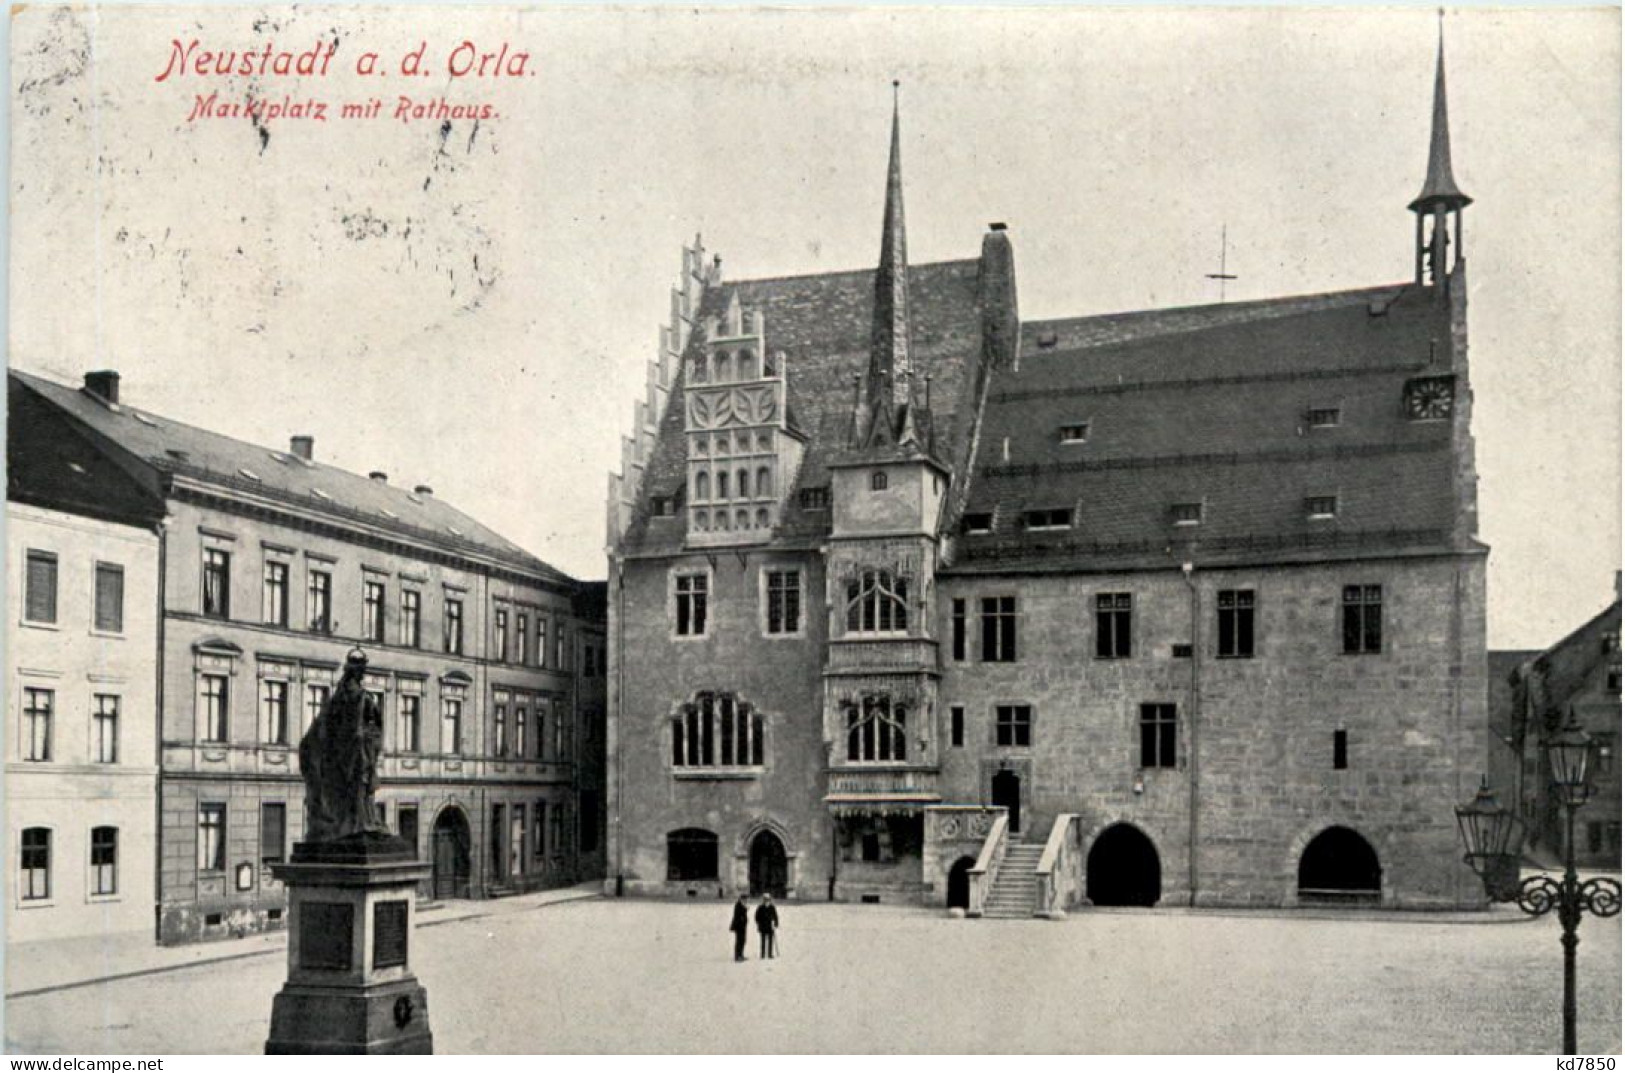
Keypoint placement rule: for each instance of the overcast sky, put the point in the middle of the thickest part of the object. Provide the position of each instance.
(473, 309)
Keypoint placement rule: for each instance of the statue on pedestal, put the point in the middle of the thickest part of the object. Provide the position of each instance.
(338, 757)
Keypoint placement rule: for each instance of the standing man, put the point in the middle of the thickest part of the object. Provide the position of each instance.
(740, 925)
(767, 923)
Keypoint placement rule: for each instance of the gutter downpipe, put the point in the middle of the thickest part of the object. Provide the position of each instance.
(616, 708)
(1187, 571)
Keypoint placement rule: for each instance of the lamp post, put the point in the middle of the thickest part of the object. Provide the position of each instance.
(1487, 832)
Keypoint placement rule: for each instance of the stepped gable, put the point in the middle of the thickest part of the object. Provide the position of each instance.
(823, 325)
(1211, 405)
(180, 450)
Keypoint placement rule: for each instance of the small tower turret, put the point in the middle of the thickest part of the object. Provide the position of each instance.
(1441, 200)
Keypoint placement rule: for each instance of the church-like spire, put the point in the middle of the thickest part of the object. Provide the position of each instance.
(1439, 188)
(890, 367)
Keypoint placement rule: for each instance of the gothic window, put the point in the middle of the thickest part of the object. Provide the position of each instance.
(764, 482)
(722, 521)
(742, 519)
(747, 365)
(722, 484)
(716, 730)
(761, 518)
(702, 520)
(876, 602)
(744, 483)
(877, 481)
(702, 486)
(876, 730)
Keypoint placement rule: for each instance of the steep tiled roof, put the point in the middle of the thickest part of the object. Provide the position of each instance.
(1209, 406)
(823, 324)
(176, 449)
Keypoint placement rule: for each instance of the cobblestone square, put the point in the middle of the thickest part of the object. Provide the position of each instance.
(651, 977)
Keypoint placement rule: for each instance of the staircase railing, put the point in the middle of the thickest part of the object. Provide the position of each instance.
(1058, 868)
(987, 864)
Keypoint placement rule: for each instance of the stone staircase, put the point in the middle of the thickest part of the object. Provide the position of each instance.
(1014, 894)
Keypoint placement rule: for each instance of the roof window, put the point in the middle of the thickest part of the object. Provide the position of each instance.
(144, 419)
(1187, 513)
(1047, 339)
(1320, 506)
(1325, 416)
(319, 494)
(1048, 518)
(978, 522)
(1075, 432)
(250, 474)
(76, 467)
(386, 512)
(454, 530)
(278, 456)
(815, 498)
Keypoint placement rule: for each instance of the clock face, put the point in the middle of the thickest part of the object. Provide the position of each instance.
(1430, 399)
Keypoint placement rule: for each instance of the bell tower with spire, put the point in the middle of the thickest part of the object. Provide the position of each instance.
(1441, 200)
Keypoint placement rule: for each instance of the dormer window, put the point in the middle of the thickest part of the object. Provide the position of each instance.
(878, 481)
(981, 522)
(1325, 417)
(1047, 339)
(1320, 507)
(663, 506)
(1075, 432)
(1187, 513)
(1048, 518)
(815, 499)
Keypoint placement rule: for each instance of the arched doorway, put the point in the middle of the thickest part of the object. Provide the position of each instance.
(451, 853)
(1007, 792)
(959, 883)
(769, 867)
(1339, 865)
(1123, 868)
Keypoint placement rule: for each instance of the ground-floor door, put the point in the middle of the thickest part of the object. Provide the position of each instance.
(959, 883)
(769, 867)
(1007, 792)
(451, 846)
(1123, 868)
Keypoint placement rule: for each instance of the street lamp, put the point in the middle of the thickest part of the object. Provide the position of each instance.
(1487, 832)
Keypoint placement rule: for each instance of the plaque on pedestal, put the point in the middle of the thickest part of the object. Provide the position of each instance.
(350, 986)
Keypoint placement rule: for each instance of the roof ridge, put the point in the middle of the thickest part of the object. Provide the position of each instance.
(1289, 300)
(913, 268)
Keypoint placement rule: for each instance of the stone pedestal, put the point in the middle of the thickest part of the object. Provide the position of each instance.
(352, 907)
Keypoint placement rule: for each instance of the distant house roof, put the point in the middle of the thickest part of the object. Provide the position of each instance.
(72, 472)
(173, 449)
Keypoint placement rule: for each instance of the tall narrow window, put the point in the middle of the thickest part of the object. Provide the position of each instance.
(998, 629)
(876, 602)
(410, 725)
(104, 729)
(539, 831)
(499, 844)
(1362, 619)
(274, 594)
(560, 647)
(451, 725)
(499, 636)
(1159, 735)
(541, 727)
(454, 626)
(273, 832)
(273, 712)
(521, 637)
(38, 712)
(541, 642)
(103, 861)
(212, 698)
(1114, 622)
(956, 730)
(1235, 623)
(315, 696)
(1013, 725)
(692, 593)
(783, 601)
(39, 604)
(216, 583)
(406, 824)
(35, 862)
(319, 601)
(1340, 749)
(109, 598)
(521, 723)
(959, 629)
(372, 611)
(211, 837)
(500, 708)
(411, 617)
(878, 481)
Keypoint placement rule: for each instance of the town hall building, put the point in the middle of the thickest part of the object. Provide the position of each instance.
(914, 601)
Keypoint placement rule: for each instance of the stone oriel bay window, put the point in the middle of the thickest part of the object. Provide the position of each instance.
(716, 732)
(877, 602)
(876, 729)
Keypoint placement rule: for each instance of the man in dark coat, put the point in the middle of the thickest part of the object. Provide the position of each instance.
(740, 925)
(767, 923)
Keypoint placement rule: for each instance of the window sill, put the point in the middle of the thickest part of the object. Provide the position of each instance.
(35, 903)
(716, 774)
(49, 626)
(110, 635)
(94, 899)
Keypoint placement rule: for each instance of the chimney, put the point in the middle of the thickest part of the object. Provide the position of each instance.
(103, 385)
(303, 447)
(424, 490)
(380, 476)
(996, 227)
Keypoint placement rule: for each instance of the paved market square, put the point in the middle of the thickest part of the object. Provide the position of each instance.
(600, 975)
